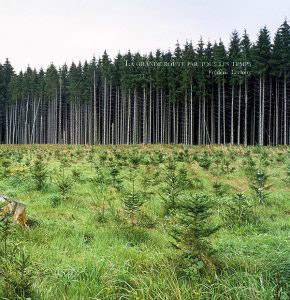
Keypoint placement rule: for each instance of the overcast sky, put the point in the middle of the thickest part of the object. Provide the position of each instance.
(38, 32)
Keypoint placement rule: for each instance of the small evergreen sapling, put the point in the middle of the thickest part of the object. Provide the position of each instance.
(15, 271)
(258, 185)
(176, 181)
(64, 184)
(219, 189)
(132, 201)
(239, 211)
(6, 163)
(115, 178)
(101, 182)
(193, 228)
(286, 180)
(204, 161)
(39, 172)
(76, 174)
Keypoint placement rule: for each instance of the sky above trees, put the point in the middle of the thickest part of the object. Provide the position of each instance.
(37, 33)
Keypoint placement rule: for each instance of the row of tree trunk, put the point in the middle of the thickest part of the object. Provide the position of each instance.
(255, 112)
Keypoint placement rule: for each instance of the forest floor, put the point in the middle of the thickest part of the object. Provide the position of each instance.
(101, 217)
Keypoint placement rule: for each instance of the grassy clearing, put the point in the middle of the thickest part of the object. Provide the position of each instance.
(89, 240)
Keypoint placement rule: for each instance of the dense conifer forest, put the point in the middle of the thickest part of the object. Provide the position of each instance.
(197, 94)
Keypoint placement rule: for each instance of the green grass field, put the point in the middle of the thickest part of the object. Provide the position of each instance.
(100, 222)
